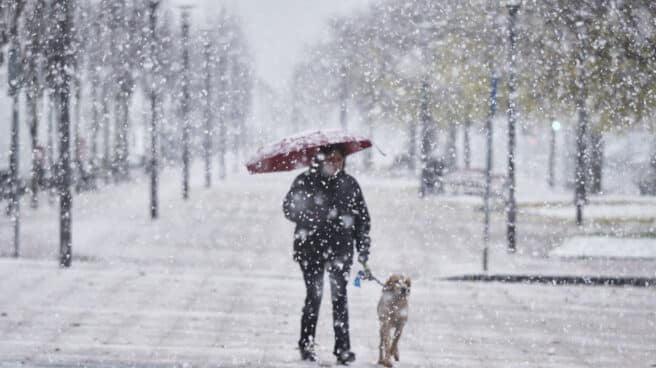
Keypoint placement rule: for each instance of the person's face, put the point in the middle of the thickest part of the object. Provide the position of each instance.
(333, 163)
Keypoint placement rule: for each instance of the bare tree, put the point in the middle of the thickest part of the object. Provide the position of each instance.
(208, 66)
(153, 90)
(15, 83)
(33, 62)
(59, 67)
(186, 102)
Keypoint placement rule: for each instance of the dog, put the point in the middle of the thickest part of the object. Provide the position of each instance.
(392, 315)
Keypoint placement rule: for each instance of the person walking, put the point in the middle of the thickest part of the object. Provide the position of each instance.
(332, 219)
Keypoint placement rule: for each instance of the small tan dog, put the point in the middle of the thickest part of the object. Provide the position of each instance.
(392, 314)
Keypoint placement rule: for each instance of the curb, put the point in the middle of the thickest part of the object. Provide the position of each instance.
(558, 280)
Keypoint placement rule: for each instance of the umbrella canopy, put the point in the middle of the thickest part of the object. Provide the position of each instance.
(297, 151)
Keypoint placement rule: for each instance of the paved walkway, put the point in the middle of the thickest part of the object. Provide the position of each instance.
(212, 284)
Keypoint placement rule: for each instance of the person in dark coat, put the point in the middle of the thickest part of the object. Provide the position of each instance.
(331, 219)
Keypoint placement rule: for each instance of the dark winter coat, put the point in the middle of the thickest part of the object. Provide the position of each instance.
(331, 217)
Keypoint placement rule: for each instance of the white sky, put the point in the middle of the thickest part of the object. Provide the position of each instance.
(277, 30)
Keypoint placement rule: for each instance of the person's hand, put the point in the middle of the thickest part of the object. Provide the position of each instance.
(363, 261)
(365, 268)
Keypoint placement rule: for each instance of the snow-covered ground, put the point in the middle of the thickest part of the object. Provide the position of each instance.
(212, 283)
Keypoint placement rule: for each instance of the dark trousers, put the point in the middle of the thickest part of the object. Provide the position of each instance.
(338, 271)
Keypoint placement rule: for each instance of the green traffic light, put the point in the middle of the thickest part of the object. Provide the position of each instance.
(555, 125)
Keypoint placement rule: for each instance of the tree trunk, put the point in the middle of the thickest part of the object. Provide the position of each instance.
(95, 126)
(14, 92)
(222, 147)
(580, 192)
(154, 158)
(239, 141)
(451, 150)
(412, 145)
(511, 205)
(222, 94)
(186, 100)
(209, 128)
(343, 99)
(118, 153)
(467, 144)
(32, 109)
(125, 135)
(488, 168)
(551, 177)
(121, 139)
(65, 195)
(107, 158)
(568, 171)
(652, 160)
(368, 154)
(427, 142)
(61, 65)
(14, 202)
(50, 149)
(596, 162)
(154, 131)
(76, 142)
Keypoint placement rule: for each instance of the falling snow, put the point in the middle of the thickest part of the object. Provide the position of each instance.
(502, 141)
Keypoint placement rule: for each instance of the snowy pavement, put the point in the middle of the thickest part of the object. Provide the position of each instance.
(100, 316)
(621, 212)
(602, 246)
(212, 283)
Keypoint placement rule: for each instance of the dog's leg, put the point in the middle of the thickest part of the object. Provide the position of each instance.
(395, 343)
(384, 351)
(381, 347)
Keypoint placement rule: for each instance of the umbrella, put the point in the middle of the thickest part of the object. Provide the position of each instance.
(297, 151)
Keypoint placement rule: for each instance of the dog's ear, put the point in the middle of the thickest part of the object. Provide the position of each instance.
(408, 281)
(389, 284)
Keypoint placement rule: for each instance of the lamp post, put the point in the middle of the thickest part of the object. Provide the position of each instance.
(511, 205)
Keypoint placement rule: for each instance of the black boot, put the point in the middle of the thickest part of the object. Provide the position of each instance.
(308, 353)
(345, 358)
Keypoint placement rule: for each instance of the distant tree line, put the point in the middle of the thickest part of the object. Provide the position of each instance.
(114, 69)
(94, 73)
(589, 64)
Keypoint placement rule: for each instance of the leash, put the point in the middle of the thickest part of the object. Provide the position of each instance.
(365, 275)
